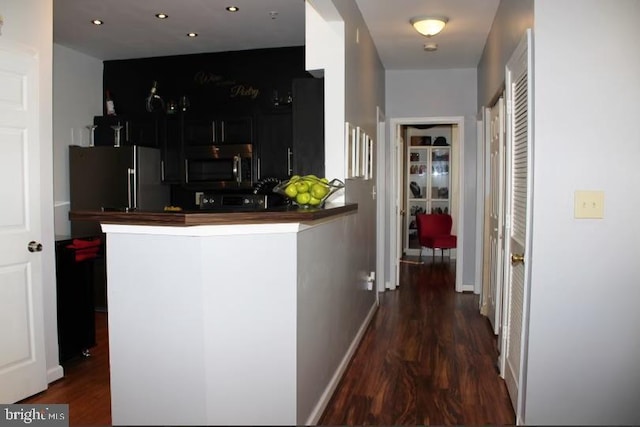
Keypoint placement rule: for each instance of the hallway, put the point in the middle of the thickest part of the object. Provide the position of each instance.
(427, 358)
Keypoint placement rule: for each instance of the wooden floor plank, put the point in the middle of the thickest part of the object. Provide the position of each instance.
(433, 361)
(85, 386)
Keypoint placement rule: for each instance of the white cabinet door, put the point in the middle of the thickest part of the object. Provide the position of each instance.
(22, 358)
(496, 215)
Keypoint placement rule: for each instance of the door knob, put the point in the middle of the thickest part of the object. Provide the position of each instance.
(517, 259)
(34, 246)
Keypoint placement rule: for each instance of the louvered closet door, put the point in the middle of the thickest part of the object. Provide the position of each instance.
(519, 111)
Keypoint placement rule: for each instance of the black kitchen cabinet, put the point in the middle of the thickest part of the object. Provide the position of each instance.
(171, 148)
(275, 140)
(291, 139)
(308, 126)
(137, 129)
(213, 130)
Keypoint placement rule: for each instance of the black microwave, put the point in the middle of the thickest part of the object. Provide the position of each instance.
(219, 166)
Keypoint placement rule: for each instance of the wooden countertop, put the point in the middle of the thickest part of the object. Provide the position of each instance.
(190, 218)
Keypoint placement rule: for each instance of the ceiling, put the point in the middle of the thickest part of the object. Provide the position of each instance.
(131, 30)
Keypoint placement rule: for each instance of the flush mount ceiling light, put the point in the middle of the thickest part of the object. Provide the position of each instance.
(162, 15)
(97, 21)
(192, 35)
(428, 25)
(233, 8)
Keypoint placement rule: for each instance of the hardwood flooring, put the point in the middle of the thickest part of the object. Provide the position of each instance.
(85, 386)
(428, 357)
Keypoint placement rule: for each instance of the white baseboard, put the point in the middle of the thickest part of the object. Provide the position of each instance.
(468, 288)
(54, 374)
(315, 415)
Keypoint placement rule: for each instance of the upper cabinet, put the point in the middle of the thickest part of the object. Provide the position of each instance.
(308, 127)
(275, 144)
(131, 129)
(212, 130)
(291, 137)
(171, 143)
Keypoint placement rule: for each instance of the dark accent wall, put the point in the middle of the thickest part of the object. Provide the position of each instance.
(237, 82)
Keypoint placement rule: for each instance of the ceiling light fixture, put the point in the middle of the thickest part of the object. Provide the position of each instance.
(192, 34)
(97, 21)
(162, 15)
(431, 47)
(429, 25)
(233, 8)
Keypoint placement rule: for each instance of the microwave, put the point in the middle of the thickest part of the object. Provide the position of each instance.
(219, 166)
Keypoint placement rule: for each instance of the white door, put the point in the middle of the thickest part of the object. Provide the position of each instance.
(519, 144)
(22, 358)
(399, 204)
(496, 214)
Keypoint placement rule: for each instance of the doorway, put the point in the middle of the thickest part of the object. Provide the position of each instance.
(398, 212)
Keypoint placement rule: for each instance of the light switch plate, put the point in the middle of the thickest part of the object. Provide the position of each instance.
(589, 204)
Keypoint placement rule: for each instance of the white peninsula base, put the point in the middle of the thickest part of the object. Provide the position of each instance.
(232, 324)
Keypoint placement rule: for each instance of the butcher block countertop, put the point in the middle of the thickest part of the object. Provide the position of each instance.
(192, 218)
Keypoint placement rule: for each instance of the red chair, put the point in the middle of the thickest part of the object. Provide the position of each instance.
(434, 231)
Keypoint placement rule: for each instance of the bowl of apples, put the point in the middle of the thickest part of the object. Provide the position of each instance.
(308, 191)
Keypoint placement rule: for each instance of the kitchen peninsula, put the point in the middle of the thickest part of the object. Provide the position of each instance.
(229, 318)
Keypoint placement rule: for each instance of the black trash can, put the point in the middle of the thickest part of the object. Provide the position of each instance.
(75, 265)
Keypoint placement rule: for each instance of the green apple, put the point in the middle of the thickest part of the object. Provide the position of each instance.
(314, 202)
(303, 198)
(291, 190)
(302, 187)
(319, 191)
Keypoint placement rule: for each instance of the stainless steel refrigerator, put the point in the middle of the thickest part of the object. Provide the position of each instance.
(114, 178)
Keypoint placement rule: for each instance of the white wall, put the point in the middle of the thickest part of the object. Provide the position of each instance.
(364, 92)
(77, 90)
(354, 87)
(442, 93)
(30, 23)
(324, 42)
(584, 332)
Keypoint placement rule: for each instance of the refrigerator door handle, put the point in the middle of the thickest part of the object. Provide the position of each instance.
(131, 188)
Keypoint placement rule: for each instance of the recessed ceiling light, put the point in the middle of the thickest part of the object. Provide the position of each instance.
(192, 34)
(233, 8)
(162, 15)
(97, 21)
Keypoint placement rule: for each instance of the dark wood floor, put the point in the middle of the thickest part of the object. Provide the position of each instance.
(427, 358)
(85, 386)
